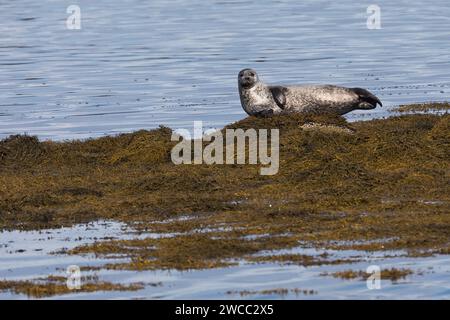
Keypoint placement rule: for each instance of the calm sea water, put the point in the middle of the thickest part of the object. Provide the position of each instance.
(138, 64)
(28, 255)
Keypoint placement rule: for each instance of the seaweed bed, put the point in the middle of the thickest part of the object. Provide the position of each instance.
(56, 285)
(340, 189)
(388, 274)
(422, 107)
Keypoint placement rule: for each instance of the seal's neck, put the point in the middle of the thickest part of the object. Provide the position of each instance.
(254, 98)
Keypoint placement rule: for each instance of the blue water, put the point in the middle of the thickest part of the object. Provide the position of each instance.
(30, 255)
(138, 64)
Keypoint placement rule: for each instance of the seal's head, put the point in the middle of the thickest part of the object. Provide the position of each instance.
(247, 78)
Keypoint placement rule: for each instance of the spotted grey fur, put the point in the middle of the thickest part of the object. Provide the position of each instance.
(259, 99)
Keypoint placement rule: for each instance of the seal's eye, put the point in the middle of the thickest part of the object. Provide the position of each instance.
(251, 74)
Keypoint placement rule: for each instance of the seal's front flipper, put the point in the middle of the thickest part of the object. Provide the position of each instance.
(279, 95)
(264, 113)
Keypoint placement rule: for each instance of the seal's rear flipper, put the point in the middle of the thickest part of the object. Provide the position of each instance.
(366, 98)
(279, 95)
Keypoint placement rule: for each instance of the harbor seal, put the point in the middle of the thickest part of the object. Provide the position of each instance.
(259, 99)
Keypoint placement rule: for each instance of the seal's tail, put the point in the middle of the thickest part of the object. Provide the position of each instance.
(366, 98)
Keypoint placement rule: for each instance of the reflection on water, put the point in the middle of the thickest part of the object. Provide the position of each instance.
(138, 64)
(30, 255)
